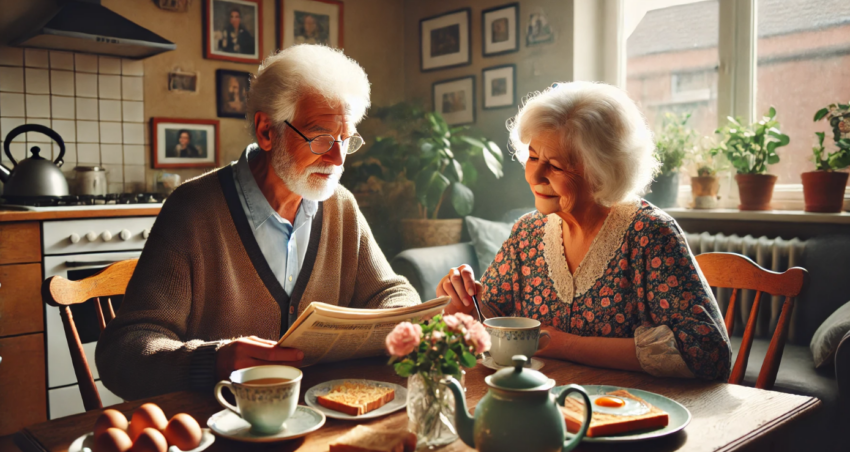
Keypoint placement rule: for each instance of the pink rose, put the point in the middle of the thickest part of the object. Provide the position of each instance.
(403, 339)
(455, 321)
(452, 322)
(436, 336)
(477, 338)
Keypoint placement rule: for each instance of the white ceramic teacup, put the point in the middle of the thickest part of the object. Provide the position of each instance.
(511, 336)
(265, 406)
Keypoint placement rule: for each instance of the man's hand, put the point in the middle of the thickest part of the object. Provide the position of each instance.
(253, 351)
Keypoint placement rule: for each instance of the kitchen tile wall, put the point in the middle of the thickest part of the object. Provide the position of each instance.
(95, 103)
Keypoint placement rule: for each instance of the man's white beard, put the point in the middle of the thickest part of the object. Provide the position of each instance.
(312, 188)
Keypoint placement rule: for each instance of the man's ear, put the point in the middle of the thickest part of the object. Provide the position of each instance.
(263, 130)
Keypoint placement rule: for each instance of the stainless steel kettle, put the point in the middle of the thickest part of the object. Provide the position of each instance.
(35, 176)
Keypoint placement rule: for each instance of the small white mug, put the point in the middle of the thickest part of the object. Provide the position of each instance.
(265, 406)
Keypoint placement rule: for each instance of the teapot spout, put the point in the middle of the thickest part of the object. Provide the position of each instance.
(4, 173)
(463, 421)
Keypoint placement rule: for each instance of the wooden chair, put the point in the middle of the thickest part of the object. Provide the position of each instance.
(62, 293)
(739, 272)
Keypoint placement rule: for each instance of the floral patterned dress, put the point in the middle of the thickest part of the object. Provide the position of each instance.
(638, 280)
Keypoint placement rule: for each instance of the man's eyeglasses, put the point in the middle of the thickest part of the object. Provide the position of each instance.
(323, 143)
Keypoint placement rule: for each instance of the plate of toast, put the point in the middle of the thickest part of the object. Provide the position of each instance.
(356, 399)
(624, 414)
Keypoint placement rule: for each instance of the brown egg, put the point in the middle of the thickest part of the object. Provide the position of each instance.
(109, 419)
(183, 431)
(147, 416)
(113, 440)
(150, 440)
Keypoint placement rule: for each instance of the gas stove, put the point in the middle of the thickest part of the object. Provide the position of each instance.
(75, 202)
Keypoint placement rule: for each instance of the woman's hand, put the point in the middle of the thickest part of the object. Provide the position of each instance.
(460, 284)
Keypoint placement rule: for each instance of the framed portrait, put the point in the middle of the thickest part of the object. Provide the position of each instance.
(311, 22)
(500, 27)
(183, 81)
(233, 30)
(231, 93)
(538, 31)
(184, 143)
(499, 83)
(455, 100)
(444, 40)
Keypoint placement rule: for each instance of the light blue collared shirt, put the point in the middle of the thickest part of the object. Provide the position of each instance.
(274, 234)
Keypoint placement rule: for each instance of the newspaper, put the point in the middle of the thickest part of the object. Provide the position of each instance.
(328, 333)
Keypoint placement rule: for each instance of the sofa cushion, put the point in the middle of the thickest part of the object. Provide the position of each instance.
(487, 238)
(425, 267)
(826, 338)
(827, 259)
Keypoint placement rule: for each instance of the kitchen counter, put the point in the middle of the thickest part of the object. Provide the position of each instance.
(100, 211)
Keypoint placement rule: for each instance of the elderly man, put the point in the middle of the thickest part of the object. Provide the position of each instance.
(241, 251)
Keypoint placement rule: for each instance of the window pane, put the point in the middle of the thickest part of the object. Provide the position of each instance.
(803, 61)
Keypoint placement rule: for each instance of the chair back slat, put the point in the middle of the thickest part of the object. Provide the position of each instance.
(101, 321)
(740, 368)
(91, 398)
(730, 312)
(767, 375)
(111, 312)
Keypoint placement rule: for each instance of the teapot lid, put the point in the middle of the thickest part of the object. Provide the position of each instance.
(520, 377)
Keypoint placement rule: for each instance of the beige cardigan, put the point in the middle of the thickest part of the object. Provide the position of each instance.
(198, 282)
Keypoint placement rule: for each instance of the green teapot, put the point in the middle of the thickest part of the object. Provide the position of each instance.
(517, 413)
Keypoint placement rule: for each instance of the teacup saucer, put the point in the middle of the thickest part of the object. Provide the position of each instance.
(229, 425)
(488, 362)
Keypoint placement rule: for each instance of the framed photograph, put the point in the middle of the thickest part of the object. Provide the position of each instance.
(499, 84)
(444, 40)
(233, 30)
(184, 143)
(538, 31)
(310, 22)
(500, 26)
(183, 81)
(231, 93)
(455, 100)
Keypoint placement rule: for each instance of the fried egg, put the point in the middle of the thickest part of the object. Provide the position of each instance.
(617, 406)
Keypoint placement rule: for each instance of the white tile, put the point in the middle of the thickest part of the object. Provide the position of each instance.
(38, 137)
(38, 106)
(11, 56)
(132, 88)
(45, 150)
(12, 79)
(134, 154)
(12, 105)
(86, 108)
(6, 126)
(115, 187)
(86, 85)
(109, 86)
(88, 152)
(70, 153)
(61, 60)
(114, 173)
(66, 129)
(133, 111)
(134, 133)
(87, 132)
(37, 81)
(85, 63)
(134, 174)
(110, 110)
(62, 107)
(109, 65)
(112, 154)
(18, 150)
(110, 132)
(36, 58)
(61, 82)
(132, 67)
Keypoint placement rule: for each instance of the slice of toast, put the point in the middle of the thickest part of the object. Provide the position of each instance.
(356, 398)
(602, 424)
(368, 439)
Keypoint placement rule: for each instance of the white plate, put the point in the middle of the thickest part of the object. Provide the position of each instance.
(228, 424)
(488, 362)
(399, 402)
(85, 443)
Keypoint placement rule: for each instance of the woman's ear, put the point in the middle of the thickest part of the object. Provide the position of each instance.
(263, 130)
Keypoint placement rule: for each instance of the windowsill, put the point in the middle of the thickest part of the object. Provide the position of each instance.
(785, 216)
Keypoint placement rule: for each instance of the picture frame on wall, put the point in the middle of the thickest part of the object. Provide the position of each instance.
(233, 30)
(231, 93)
(311, 22)
(499, 86)
(454, 99)
(500, 30)
(184, 143)
(444, 40)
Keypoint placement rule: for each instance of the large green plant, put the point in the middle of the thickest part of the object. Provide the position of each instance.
(838, 116)
(750, 148)
(674, 142)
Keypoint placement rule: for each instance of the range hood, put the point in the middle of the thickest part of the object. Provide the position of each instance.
(88, 27)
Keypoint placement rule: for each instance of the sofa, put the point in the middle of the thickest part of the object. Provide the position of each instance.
(826, 258)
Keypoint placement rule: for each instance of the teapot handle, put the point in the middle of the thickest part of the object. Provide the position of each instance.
(571, 444)
(34, 128)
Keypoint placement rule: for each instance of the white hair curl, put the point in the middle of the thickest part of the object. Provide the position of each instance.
(601, 126)
(287, 75)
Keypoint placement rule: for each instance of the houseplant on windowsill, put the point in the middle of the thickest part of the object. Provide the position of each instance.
(705, 163)
(823, 189)
(671, 146)
(749, 149)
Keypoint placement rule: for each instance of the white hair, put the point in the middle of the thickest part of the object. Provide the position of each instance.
(287, 75)
(602, 128)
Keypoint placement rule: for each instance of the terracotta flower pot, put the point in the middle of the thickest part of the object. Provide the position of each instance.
(823, 191)
(755, 190)
(416, 233)
(704, 189)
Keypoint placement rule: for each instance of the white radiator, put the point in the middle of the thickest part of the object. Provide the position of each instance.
(775, 254)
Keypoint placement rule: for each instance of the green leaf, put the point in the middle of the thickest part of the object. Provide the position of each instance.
(450, 368)
(467, 359)
(473, 141)
(493, 163)
(821, 113)
(496, 151)
(771, 113)
(455, 171)
(450, 355)
(434, 192)
(405, 368)
(462, 199)
(470, 174)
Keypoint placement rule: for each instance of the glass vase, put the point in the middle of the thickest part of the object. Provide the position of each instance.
(431, 410)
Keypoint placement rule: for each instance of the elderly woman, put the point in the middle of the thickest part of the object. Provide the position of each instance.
(609, 275)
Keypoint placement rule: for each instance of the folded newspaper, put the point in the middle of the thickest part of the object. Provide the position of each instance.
(328, 333)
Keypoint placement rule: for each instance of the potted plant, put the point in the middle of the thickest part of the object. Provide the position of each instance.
(705, 163)
(823, 189)
(673, 143)
(749, 149)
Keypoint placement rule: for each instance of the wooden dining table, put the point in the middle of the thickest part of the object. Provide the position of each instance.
(725, 417)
